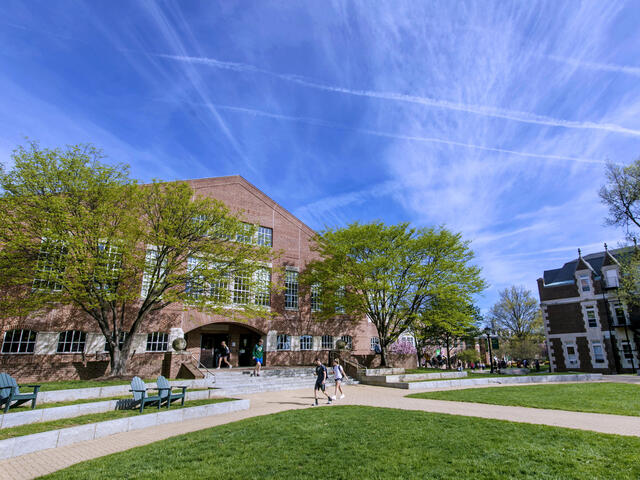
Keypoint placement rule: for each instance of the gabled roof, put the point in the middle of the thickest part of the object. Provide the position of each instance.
(243, 182)
(594, 261)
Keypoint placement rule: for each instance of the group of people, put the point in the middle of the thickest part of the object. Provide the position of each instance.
(322, 376)
(224, 355)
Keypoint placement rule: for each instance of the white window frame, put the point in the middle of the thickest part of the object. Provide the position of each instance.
(586, 286)
(283, 342)
(49, 266)
(306, 342)
(291, 290)
(611, 278)
(627, 353)
(328, 342)
(595, 362)
(373, 342)
(121, 338)
(24, 344)
(157, 342)
(76, 341)
(591, 309)
(614, 312)
(262, 280)
(149, 266)
(348, 339)
(264, 236)
(567, 362)
(316, 301)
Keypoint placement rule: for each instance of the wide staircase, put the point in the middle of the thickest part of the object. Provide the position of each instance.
(239, 381)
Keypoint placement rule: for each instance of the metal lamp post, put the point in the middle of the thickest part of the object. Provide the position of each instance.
(487, 331)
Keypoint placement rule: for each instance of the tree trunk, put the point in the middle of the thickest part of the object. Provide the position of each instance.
(119, 362)
(383, 355)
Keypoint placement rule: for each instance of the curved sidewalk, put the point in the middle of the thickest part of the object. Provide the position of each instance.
(47, 461)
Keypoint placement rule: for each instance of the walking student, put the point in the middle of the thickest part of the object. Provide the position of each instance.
(321, 380)
(225, 354)
(257, 357)
(339, 376)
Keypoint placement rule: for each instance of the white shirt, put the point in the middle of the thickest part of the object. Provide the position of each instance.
(336, 372)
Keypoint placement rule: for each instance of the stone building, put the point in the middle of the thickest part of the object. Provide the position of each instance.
(66, 344)
(587, 327)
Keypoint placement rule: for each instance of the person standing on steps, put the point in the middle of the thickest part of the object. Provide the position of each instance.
(225, 354)
(339, 376)
(321, 380)
(258, 352)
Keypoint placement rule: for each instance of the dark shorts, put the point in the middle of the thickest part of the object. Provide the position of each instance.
(319, 385)
(339, 380)
(257, 360)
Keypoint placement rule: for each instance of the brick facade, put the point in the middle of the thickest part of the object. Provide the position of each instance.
(582, 314)
(291, 239)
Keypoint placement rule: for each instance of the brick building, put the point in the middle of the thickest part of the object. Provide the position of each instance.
(587, 327)
(65, 344)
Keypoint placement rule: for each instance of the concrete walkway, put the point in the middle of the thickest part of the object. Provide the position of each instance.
(47, 461)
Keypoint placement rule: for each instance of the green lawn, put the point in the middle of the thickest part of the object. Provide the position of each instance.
(95, 417)
(616, 398)
(349, 442)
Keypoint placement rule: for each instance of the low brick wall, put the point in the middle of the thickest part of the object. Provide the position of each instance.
(17, 446)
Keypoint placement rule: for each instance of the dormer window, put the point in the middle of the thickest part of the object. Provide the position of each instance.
(585, 285)
(612, 278)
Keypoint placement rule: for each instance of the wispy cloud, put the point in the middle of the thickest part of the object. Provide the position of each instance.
(399, 136)
(604, 67)
(487, 111)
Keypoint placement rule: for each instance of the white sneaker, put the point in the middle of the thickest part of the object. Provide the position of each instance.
(341, 396)
(333, 398)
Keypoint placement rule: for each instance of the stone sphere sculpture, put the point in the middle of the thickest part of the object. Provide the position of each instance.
(179, 344)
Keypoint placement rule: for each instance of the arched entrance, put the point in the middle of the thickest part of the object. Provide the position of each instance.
(205, 343)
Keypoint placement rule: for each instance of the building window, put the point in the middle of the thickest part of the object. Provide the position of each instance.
(108, 266)
(121, 338)
(283, 342)
(348, 341)
(241, 289)
(19, 341)
(340, 300)
(245, 233)
(591, 317)
(265, 236)
(572, 358)
(316, 302)
(291, 290)
(327, 342)
(306, 342)
(375, 342)
(585, 285)
(626, 350)
(612, 278)
(50, 266)
(157, 342)
(619, 315)
(411, 341)
(153, 273)
(263, 287)
(71, 341)
(598, 353)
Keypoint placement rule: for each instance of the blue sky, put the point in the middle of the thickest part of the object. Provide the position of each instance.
(492, 118)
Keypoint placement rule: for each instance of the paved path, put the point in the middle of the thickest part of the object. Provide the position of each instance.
(47, 461)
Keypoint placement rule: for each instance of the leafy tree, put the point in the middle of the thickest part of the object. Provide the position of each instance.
(442, 321)
(469, 355)
(388, 273)
(621, 195)
(80, 234)
(516, 313)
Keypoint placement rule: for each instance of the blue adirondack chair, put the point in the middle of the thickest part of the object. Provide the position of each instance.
(167, 394)
(140, 395)
(10, 395)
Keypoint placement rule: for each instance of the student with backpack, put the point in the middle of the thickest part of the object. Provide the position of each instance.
(321, 380)
(339, 376)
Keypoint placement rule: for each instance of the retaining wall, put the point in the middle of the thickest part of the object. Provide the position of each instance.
(470, 382)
